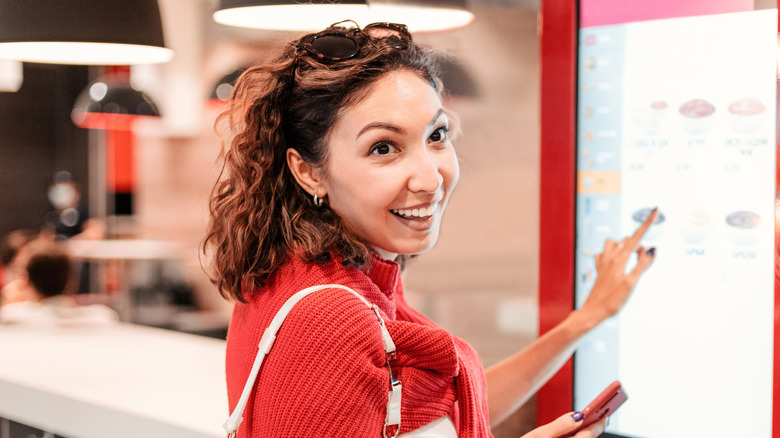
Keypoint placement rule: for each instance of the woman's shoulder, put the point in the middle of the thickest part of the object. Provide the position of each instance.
(330, 311)
(335, 322)
(327, 309)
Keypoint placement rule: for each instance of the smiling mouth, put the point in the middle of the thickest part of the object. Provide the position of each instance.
(416, 213)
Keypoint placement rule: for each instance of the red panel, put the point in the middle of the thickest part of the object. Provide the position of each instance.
(558, 38)
(120, 169)
(776, 354)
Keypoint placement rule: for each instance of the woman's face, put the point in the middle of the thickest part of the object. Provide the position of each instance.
(391, 165)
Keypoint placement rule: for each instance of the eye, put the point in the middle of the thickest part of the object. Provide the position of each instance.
(382, 148)
(440, 134)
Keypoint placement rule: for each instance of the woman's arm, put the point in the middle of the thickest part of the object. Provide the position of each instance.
(514, 380)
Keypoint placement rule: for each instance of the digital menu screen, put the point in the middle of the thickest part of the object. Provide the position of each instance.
(680, 114)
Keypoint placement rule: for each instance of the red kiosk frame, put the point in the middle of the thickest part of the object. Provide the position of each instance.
(558, 91)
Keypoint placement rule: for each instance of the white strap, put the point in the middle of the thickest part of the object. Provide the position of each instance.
(267, 340)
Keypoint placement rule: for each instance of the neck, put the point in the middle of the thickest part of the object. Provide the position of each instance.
(387, 255)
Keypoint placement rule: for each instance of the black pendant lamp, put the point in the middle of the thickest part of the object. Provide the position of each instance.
(289, 14)
(89, 32)
(224, 86)
(418, 15)
(112, 103)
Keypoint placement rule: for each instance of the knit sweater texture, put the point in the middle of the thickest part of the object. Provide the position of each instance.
(326, 373)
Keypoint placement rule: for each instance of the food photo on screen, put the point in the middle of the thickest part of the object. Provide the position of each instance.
(744, 227)
(641, 215)
(747, 115)
(697, 115)
(695, 225)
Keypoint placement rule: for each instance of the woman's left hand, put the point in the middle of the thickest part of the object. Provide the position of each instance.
(613, 284)
(564, 426)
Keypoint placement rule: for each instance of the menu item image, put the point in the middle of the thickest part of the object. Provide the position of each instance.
(649, 117)
(641, 215)
(744, 227)
(695, 226)
(659, 108)
(746, 115)
(697, 115)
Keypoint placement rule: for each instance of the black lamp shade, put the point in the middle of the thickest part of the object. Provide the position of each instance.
(125, 22)
(111, 103)
(224, 86)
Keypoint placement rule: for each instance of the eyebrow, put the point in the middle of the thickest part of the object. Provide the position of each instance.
(389, 127)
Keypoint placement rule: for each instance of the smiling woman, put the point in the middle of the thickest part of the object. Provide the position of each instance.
(340, 165)
(389, 173)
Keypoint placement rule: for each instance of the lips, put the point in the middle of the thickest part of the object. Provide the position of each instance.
(416, 213)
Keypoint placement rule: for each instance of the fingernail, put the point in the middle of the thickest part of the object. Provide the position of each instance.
(577, 416)
(654, 210)
(651, 252)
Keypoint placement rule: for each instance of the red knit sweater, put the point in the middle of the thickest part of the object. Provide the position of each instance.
(326, 374)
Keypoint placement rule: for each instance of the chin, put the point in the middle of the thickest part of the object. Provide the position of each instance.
(418, 248)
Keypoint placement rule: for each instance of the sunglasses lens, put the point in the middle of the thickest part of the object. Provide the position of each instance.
(395, 34)
(335, 46)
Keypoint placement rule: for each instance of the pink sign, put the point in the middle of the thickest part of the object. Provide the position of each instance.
(604, 12)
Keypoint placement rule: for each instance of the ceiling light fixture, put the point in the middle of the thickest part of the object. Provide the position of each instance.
(111, 102)
(419, 15)
(224, 86)
(88, 32)
(289, 14)
(11, 75)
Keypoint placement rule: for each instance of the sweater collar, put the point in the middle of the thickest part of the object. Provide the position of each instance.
(384, 274)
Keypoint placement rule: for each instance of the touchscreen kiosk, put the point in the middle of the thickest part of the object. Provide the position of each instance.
(679, 114)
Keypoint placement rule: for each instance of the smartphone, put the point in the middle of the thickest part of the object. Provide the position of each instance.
(604, 405)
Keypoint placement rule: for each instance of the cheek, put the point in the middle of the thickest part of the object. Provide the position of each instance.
(356, 196)
(450, 169)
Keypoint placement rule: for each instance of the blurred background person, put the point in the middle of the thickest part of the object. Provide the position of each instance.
(41, 293)
(70, 218)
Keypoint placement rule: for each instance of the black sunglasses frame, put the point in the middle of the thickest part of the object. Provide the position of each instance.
(401, 31)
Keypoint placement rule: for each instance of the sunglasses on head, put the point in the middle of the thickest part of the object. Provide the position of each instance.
(337, 45)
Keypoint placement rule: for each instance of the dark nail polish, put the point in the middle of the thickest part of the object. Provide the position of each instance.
(577, 416)
(651, 252)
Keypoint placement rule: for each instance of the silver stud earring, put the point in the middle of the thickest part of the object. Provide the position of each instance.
(317, 200)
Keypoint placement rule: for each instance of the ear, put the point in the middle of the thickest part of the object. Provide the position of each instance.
(307, 176)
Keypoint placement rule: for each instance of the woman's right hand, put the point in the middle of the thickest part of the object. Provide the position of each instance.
(564, 425)
(613, 284)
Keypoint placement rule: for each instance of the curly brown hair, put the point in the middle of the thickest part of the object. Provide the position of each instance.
(260, 216)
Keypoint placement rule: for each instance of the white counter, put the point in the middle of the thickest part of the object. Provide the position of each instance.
(120, 381)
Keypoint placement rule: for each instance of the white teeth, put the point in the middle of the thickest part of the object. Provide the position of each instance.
(417, 212)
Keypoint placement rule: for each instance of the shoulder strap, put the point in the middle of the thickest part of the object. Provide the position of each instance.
(393, 417)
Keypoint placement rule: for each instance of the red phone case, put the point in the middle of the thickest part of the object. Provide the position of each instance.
(603, 405)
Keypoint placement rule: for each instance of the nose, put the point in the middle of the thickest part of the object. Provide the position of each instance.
(426, 175)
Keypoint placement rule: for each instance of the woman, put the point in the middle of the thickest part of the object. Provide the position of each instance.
(340, 168)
